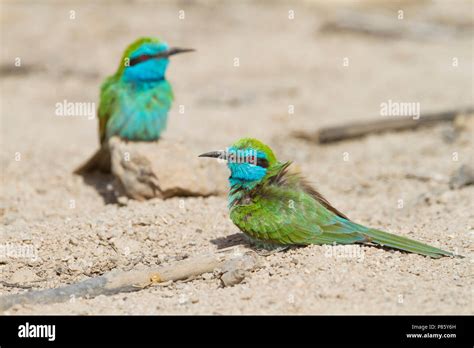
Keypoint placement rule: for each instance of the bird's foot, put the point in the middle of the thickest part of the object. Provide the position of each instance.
(264, 248)
(266, 252)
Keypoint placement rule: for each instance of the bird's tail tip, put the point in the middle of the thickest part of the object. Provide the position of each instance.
(402, 243)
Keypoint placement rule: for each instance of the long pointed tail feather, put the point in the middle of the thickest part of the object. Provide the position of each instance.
(390, 240)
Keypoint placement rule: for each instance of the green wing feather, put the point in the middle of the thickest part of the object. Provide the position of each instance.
(108, 104)
(281, 215)
(285, 210)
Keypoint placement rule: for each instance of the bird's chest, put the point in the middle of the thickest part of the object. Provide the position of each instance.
(243, 208)
(141, 114)
(150, 102)
(239, 198)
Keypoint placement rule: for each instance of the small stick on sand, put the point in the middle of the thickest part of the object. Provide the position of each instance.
(115, 282)
(391, 27)
(360, 129)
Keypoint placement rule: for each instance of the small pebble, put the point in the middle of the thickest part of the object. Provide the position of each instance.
(233, 277)
(464, 176)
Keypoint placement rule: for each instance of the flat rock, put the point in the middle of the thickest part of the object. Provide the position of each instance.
(164, 169)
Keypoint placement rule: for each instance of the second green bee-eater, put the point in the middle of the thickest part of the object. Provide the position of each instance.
(134, 102)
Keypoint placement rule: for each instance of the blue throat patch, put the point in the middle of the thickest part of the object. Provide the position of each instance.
(150, 70)
(243, 167)
(245, 173)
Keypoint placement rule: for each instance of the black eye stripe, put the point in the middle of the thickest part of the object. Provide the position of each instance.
(139, 59)
(242, 156)
(145, 57)
(262, 162)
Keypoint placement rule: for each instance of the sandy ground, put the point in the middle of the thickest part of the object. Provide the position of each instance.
(72, 234)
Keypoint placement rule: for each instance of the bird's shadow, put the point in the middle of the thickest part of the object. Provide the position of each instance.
(230, 241)
(104, 184)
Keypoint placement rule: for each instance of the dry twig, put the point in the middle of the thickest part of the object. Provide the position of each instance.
(115, 282)
(360, 129)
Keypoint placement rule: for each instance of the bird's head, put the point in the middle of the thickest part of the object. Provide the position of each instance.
(146, 60)
(249, 161)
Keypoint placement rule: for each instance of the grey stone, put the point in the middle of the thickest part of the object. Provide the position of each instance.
(164, 169)
(462, 177)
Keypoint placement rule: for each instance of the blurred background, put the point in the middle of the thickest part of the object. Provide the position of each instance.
(330, 62)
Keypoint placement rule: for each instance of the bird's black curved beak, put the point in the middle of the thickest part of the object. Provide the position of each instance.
(177, 50)
(215, 154)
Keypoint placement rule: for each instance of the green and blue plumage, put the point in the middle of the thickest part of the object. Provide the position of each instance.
(278, 208)
(134, 102)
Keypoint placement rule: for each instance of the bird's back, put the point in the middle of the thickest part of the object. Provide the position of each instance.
(283, 209)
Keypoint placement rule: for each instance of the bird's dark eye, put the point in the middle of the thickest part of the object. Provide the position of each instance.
(262, 162)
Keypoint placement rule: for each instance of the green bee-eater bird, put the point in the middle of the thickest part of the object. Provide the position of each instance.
(134, 102)
(277, 208)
